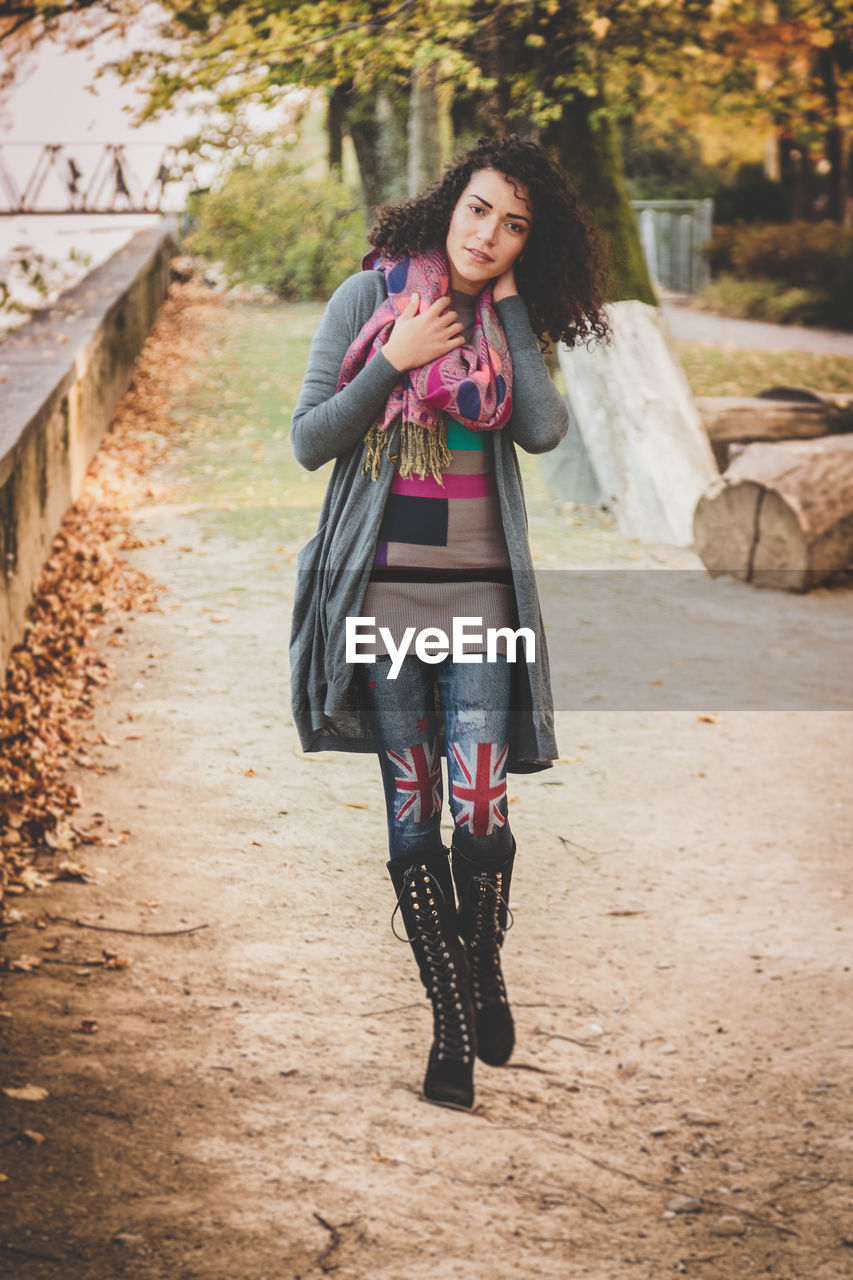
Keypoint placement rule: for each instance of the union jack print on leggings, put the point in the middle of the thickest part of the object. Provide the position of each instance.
(419, 787)
(482, 788)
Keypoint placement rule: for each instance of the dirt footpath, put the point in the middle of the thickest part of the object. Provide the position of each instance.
(248, 1106)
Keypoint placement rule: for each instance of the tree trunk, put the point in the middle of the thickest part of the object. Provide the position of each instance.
(837, 206)
(797, 177)
(833, 138)
(590, 155)
(335, 119)
(377, 125)
(424, 132)
(640, 429)
(782, 515)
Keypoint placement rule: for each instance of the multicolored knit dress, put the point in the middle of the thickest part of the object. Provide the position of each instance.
(441, 551)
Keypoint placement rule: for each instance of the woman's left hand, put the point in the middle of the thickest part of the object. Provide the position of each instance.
(505, 286)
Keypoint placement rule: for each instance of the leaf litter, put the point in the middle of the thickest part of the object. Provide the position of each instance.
(50, 687)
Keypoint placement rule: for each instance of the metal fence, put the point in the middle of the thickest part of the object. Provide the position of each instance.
(673, 233)
(59, 178)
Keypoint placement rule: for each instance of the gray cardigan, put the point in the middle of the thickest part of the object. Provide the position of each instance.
(334, 567)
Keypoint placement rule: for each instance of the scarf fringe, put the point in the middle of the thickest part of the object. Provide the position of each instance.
(421, 452)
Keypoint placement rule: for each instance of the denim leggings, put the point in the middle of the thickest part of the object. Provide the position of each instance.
(475, 703)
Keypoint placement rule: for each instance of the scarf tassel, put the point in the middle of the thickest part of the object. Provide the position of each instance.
(421, 452)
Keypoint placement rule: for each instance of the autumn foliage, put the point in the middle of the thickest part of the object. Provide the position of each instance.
(806, 264)
(86, 588)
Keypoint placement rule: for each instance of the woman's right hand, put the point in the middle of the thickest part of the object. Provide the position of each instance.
(418, 339)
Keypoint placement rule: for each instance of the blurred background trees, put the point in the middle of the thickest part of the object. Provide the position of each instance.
(746, 101)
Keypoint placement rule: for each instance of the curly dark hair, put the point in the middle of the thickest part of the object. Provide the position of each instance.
(562, 273)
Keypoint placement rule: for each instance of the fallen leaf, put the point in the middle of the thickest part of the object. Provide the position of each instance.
(32, 879)
(112, 842)
(52, 676)
(90, 835)
(32, 1135)
(75, 871)
(87, 1027)
(62, 838)
(700, 1117)
(684, 1204)
(27, 1093)
(708, 719)
(728, 1225)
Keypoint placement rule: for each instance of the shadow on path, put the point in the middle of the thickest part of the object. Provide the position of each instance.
(249, 1105)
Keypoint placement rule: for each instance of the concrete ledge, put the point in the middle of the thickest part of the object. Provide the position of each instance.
(62, 376)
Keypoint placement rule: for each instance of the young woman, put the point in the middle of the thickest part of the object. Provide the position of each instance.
(424, 375)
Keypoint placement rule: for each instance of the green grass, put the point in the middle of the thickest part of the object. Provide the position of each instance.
(722, 371)
(236, 456)
(236, 462)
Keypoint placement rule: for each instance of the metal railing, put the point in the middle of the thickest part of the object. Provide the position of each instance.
(87, 177)
(673, 233)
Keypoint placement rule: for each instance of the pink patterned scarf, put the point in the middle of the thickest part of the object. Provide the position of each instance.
(471, 383)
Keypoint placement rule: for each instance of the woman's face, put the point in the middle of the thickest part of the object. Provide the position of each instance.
(488, 230)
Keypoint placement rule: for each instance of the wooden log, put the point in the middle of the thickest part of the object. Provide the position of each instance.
(782, 515)
(640, 428)
(749, 418)
(782, 413)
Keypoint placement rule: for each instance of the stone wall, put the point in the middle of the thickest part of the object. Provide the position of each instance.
(62, 376)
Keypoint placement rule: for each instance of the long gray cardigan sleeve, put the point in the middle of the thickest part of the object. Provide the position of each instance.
(539, 418)
(326, 423)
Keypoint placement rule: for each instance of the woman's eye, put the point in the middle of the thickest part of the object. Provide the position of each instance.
(476, 208)
(515, 226)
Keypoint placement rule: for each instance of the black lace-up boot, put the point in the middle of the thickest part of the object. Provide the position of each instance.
(425, 899)
(483, 912)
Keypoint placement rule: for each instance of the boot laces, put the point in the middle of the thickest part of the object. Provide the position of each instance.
(486, 941)
(450, 1028)
(408, 886)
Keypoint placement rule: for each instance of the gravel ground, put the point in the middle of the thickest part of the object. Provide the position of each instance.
(248, 1105)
